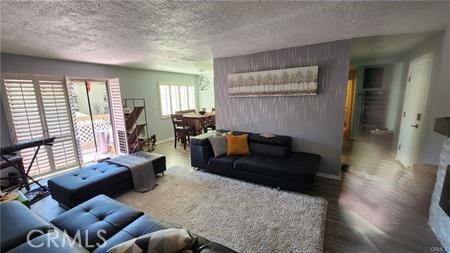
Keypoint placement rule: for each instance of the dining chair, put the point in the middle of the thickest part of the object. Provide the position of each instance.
(181, 130)
(212, 123)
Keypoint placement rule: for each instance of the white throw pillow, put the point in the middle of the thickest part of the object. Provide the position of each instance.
(170, 240)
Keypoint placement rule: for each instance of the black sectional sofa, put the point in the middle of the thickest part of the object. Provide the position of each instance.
(271, 162)
(118, 223)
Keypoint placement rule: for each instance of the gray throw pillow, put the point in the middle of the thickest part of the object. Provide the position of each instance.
(219, 145)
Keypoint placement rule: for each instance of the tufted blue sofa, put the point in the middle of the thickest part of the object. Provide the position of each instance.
(116, 221)
(75, 187)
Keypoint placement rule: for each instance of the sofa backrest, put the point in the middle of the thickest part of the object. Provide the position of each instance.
(278, 146)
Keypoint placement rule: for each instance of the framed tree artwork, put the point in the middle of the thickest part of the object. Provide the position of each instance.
(301, 81)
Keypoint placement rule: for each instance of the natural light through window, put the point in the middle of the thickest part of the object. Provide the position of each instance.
(176, 98)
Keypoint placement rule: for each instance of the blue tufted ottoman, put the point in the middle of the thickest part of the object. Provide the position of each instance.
(75, 187)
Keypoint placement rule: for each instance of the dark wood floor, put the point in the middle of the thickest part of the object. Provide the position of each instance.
(378, 206)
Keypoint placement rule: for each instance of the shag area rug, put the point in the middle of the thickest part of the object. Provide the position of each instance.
(243, 216)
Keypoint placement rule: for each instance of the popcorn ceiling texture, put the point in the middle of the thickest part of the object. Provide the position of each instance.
(186, 36)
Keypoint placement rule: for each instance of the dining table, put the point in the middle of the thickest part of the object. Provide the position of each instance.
(200, 122)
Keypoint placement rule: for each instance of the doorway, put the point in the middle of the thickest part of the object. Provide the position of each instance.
(93, 119)
(349, 103)
(414, 109)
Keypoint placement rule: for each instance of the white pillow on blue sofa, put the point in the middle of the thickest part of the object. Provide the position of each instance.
(170, 240)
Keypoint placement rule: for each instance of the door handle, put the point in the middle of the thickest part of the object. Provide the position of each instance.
(416, 125)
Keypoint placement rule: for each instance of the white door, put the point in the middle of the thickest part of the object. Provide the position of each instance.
(414, 108)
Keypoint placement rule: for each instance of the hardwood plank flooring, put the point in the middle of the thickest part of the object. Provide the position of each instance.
(378, 206)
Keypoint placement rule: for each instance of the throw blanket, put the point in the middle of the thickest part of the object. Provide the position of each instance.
(141, 171)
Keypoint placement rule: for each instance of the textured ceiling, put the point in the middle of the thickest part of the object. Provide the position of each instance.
(186, 36)
(387, 45)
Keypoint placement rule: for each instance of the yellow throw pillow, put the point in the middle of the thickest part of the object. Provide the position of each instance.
(237, 144)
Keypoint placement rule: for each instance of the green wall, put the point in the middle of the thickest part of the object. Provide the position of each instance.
(206, 97)
(134, 83)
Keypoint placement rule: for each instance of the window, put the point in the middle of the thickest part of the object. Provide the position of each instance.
(39, 106)
(36, 107)
(175, 98)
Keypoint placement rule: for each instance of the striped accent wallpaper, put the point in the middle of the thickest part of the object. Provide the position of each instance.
(314, 122)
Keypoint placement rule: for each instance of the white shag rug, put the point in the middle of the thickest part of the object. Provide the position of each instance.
(243, 216)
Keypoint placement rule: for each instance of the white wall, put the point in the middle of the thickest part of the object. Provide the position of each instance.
(396, 93)
(438, 103)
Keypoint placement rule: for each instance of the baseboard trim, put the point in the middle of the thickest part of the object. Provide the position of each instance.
(330, 176)
(164, 140)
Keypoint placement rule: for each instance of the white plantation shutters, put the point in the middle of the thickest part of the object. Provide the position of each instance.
(58, 121)
(191, 97)
(36, 106)
(118, 120)
(164, 95)
(24, 118)
(176, 98)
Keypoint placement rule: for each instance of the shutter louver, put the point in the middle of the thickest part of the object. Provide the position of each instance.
(58, 121)
(118, 116)
(20, 99)
(36, 107)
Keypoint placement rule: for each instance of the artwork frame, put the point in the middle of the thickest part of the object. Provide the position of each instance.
(300, 81)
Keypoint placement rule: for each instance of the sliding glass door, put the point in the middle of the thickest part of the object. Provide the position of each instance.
(93, 118)
(85, 117)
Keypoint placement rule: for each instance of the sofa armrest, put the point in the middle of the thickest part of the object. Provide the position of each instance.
(18, 223)
(201, 150)
(52, 242)
(202, 139)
